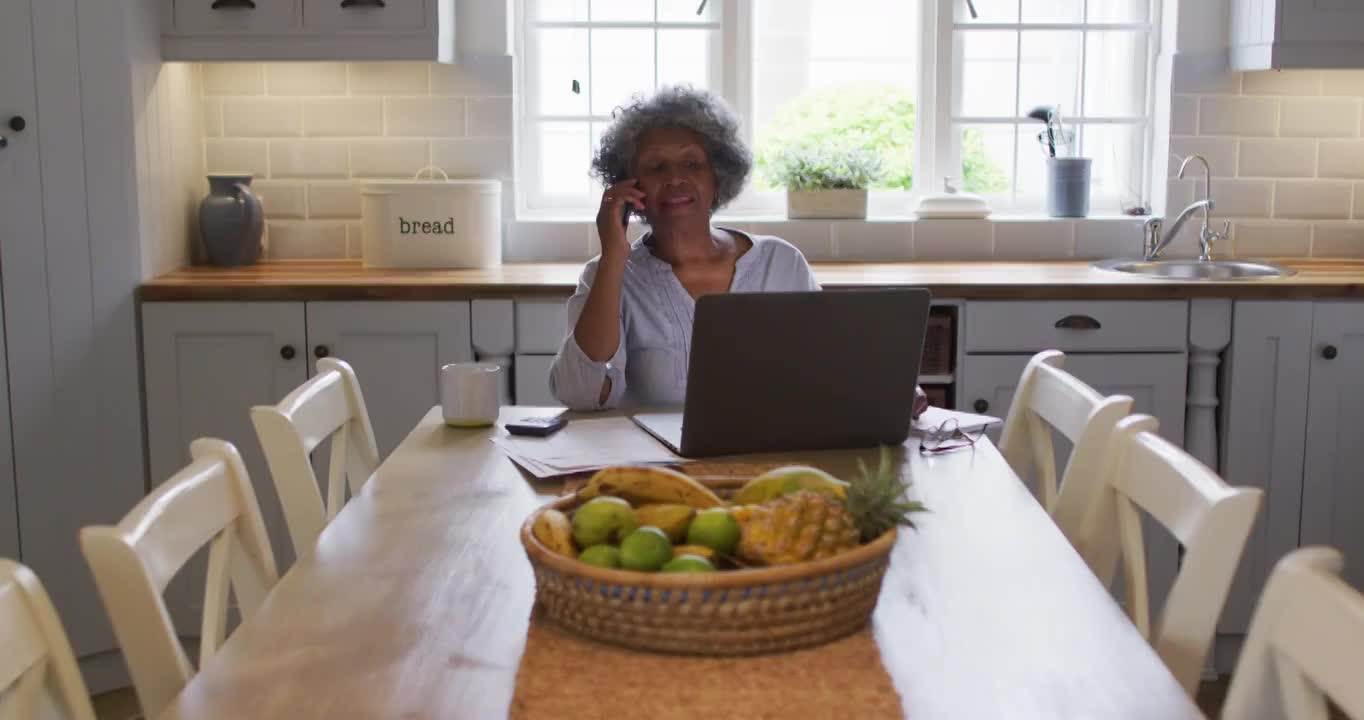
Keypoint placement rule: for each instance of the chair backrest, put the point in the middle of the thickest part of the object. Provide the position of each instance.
(210, 502)
(1050, 398)
(1306, 643)
(329, 405)
(39, 677)
(1208, 517)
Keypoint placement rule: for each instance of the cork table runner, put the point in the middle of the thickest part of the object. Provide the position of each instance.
(565, 676)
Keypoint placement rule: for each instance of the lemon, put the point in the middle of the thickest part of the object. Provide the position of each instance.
(716, 529)
(602, 520)
(647, 549)
(688, 564)
(601, 556)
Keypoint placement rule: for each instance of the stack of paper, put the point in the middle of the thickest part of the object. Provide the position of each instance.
(585, 445)
(934, 418)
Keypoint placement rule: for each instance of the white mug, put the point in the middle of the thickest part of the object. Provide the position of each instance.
(469, 393)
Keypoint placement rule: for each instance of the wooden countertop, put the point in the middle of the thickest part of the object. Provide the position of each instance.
(349, 280)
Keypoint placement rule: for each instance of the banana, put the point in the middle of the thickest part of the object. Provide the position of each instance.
(644, 484)
(553, 529)
(671, 518)
(786, 480)
(697, 550)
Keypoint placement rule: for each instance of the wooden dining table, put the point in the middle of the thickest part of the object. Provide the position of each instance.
(419, 602)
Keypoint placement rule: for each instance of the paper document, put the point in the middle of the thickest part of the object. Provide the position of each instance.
(586, 445)
(934, 417)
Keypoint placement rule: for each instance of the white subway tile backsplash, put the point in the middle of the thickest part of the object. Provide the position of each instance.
(230, 156)
(333, 200)
(1359, 201)
(1184, 115)
(355, 240)
(1034, 240)
(234, 79)
(389, 78)
(813, 238)
(490, 117)
(1342, 82)
(953, 240)
(1325, 199)
(305, 78)
(546, 242)
(1278, 158)
(388, 158)
(1096, 239)
(1238, 198)
(424, 117)
(213, 117)
(1271, 238)
(1319, 117)
(1190, 76)
(309, 159)
(1218, 115)
(1338, 239)
(476, 76)
(297, 240)
(1220, 152)
(1178, 194)
(262, 117)
(343, 117)
(1282, 82)
(281, 198)
(1342, 159)
(475, 157)
(856, 240)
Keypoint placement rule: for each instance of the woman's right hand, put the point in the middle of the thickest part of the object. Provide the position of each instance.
(611, 217)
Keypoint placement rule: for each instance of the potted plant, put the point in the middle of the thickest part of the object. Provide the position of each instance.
(826, 179)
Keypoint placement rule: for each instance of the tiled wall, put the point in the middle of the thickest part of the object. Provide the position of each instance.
(1287, 153)
(314, 133)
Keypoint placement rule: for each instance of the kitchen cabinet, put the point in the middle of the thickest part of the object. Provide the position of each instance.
(205, 366)
(1283, 34)
(532, 380)
(219, 30)
(397, 350)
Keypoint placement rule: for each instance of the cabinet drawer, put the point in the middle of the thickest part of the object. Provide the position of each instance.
(532, 380)
(541, 325)
(231, 18)
(364, 15)
(1077, 326)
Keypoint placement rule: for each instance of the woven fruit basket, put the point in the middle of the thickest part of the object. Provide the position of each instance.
(736, 612)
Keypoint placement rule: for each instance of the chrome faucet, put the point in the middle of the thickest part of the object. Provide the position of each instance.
(1155, 241)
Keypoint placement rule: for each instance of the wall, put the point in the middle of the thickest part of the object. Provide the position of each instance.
(170, 167)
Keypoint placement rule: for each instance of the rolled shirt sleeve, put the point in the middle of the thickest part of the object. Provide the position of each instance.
(576, 379)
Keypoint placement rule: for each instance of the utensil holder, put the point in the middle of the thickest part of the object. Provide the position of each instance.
(1068, 186)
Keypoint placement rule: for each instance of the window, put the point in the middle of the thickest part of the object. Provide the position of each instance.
(935, 90)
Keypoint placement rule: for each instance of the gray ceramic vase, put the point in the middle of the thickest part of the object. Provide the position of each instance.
(231, 221)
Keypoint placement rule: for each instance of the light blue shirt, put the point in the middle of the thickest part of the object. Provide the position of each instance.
(649, 368)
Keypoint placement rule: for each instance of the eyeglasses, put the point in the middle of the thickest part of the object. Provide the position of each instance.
(948, 437)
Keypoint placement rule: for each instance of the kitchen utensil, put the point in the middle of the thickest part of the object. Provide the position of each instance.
(1046, 114)
(1068, 186)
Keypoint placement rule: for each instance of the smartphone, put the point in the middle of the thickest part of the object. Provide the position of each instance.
(543, 426)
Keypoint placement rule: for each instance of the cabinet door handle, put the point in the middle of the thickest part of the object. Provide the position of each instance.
(18, 123)
(1078, 322)
(287, 352)
(239, 4)
(981, 406)
(1330, 352)
(321, 351)
(347, 4)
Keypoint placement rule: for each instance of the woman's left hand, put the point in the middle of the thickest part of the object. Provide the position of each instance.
(920, 402)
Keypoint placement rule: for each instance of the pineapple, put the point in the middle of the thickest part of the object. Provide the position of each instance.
(807, 525)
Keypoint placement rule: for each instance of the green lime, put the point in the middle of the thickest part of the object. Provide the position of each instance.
(716, 529)
(601, 556)
(645, 549)
(688, 564)
(602, 520)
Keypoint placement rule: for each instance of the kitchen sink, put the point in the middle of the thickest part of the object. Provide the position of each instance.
(1192, 269)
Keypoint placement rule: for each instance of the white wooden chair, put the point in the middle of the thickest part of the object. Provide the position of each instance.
(210, 502)
(1208, 517)
(39, 677)
(1306, 644)
(328, 405)
(1050, 398)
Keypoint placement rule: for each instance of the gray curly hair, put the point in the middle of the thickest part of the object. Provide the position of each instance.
(679, 106)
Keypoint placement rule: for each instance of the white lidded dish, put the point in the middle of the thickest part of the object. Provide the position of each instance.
(432, 223)
(952, 204)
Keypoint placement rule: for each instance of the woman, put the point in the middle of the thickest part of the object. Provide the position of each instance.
(674, 159)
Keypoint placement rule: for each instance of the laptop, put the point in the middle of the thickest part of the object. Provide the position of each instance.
(798, 371)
